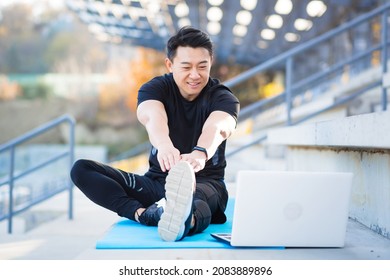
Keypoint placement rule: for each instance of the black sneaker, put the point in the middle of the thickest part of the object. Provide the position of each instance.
(175, 222)
(151, 216)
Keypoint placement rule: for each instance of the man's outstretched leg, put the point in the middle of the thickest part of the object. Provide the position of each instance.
(177, 220)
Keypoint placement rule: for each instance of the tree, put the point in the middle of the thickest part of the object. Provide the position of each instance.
(150, 63)
(21, 47)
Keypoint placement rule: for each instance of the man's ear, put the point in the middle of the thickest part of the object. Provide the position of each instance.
(168, 64)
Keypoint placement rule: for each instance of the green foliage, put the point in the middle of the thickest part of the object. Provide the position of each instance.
(56, 42)
(36, 90)
(58, 47)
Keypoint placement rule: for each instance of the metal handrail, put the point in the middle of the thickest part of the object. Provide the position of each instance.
(12, 177)
(286, 58)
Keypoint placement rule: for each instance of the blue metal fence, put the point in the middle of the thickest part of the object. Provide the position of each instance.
(287, 59)
(293, 88)
(9, 181)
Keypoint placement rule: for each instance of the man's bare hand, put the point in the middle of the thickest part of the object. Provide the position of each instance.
(197, 159)
(167, 156)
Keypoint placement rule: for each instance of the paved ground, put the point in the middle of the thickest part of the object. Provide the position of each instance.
(64, 239)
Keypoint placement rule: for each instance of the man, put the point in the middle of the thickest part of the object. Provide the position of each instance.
(188, 117)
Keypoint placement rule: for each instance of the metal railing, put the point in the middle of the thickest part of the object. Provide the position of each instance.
(12, 176)
(293, 89)
(287, 59)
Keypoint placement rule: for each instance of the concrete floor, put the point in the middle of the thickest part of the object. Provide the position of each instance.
(64, 239)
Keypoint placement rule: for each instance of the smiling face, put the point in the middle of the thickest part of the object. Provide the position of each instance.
(191, 70)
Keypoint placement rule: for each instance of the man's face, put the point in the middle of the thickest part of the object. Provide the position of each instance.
(191, 70)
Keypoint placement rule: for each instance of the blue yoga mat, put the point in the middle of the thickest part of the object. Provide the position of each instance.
(127, 234)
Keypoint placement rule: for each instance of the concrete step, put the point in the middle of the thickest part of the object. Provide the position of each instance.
(358, 144)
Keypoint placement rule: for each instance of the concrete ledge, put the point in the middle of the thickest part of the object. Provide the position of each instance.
(358, 144)
(363, 131)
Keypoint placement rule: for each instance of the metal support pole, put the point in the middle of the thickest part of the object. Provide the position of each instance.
(384, 56)
(11, 189)
(71, 161)
(289, 67)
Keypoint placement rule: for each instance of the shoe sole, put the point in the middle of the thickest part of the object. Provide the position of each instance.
(179, 188)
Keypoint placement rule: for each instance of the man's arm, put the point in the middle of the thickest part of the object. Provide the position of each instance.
(217, 128)
(151, 114)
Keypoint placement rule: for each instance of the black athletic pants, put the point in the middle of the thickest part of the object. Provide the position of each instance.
(124, 193)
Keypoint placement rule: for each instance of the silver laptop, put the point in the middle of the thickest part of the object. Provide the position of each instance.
(290, 209)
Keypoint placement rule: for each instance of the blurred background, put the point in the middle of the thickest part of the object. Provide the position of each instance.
(88, 58)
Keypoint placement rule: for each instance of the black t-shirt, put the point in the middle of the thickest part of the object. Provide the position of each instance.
(186, 119)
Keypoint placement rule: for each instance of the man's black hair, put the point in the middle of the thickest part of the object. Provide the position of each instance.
(189, 37)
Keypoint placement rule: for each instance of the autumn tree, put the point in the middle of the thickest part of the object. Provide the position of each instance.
(118, 98)
(148, 64)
